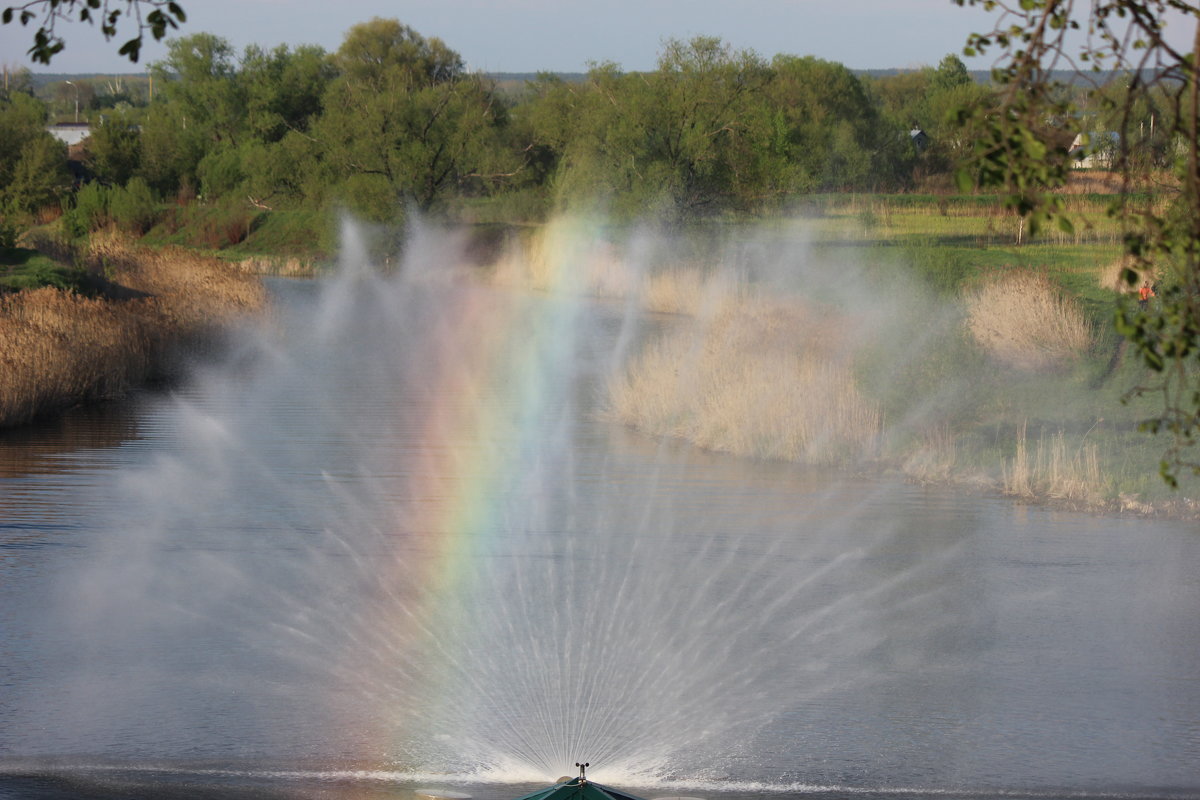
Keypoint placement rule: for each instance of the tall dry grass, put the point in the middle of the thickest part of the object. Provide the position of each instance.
(59, 349)
(1023, 320)
(1057, 470)
(565, 257)
(757, 380)
(284, 266)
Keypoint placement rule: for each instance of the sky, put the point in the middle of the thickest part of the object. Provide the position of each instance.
(555, 35)
(559, 35)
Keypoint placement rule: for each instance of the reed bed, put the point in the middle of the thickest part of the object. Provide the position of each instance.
(283, 266)
(1023, 320)
(757, 380)
(59, 349)
(1056, 470)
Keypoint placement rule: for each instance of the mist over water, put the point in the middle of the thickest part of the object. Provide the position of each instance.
(388, 535)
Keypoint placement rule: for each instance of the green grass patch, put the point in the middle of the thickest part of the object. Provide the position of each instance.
(22, 268)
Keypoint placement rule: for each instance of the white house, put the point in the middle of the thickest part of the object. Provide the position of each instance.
(70, 132)
(1098, 149)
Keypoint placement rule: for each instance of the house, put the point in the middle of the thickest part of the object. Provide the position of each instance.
(70, 132)
(1097, 149)
(919, 138)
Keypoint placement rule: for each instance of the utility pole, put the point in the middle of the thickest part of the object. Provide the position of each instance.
(76, 88)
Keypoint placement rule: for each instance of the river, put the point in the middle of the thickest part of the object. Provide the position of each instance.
(386, 541)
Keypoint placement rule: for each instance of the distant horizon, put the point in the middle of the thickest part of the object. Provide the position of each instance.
(566, 36)
(563, 36)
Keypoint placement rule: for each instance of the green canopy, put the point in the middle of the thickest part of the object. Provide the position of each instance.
(578, 789)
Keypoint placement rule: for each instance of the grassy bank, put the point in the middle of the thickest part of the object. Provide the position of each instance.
(925, 334)
(993, 366)
(60, 347)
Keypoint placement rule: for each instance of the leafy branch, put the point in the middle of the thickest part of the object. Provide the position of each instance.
(155, 17)
(1017, 150)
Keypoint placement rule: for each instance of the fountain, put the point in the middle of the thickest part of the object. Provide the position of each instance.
(454, 577)
(389, 538)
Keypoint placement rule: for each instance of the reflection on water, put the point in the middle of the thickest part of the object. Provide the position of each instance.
(860, 636)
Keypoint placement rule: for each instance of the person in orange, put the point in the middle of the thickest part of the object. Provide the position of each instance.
(1144, 295)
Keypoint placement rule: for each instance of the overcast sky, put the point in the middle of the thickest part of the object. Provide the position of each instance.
(559, 35)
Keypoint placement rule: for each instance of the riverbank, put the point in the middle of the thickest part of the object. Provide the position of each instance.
(781, 345)
(903, 334)
(60, 348)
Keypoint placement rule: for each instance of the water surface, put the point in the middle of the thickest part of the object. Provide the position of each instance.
(391, 543)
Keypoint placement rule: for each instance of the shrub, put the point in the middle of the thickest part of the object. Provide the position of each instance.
(133, 208)
(9, 231)
(89, 211)
(1024, 320)
(760, 380)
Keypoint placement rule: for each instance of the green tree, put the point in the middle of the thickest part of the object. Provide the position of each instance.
(383, 53)
(199, 84)
(114, 148)
(950, 74)
(19, 80)
(698, 136)
(170, 151)
(33, 164)
(40, 177)
(283, 88)
(402, 124)
(929, 100)
(22, 118)
(680, 140)
(831, 133)
(88, 210)
(1017, 150)
(133, 207)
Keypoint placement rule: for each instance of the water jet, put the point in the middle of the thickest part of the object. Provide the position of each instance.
(395, 542)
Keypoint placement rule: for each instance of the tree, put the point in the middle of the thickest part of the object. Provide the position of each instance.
(378, 52)
(402, 124)
(155, 17)
(16, 80)
(199, 83)
(1017, 151)
(170, 152)
(33, 164)
(951, 73)
(833, 135)
(114, 148)
(283, 88)
(680, 140)
(697, 120)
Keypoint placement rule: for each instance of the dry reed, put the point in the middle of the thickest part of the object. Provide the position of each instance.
(1023, 320)
(756, 381)
(286, 266)
(1056, 471)
(58, 349)
(934, 457)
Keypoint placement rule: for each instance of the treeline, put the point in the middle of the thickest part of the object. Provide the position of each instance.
(394, 121)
